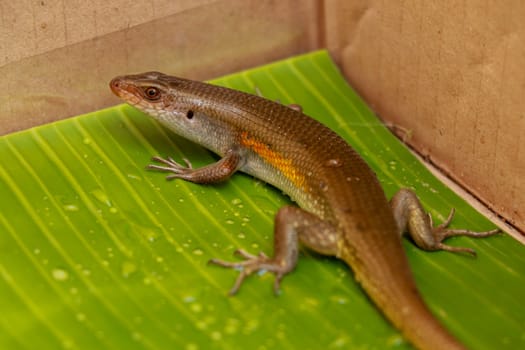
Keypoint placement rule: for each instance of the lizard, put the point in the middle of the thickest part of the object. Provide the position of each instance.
(341, 210)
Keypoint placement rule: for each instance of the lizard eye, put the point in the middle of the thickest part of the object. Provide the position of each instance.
(152, 93)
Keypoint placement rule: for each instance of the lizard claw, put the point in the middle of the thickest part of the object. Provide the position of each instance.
(251, 264)
(441, 232)
(171, 166)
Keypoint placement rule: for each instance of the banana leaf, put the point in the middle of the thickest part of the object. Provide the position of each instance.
(97, 252)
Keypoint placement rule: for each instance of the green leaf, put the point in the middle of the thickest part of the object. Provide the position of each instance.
(96, 251)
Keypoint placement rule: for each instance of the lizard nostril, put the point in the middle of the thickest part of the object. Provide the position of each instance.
(114, 85)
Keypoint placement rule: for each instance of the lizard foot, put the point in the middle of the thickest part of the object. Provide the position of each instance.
(171, 166)
(441, 232)
(251, 264)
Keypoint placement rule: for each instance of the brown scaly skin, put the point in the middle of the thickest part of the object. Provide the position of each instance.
(343, 210)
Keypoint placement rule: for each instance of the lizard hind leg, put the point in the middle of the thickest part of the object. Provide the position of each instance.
(411, 217)
(292, 225)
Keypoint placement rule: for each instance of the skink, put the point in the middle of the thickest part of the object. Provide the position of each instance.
(342, 209)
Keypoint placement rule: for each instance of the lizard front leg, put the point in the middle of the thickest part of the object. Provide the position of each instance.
(292, 225)
(412, 218)
(216, 172)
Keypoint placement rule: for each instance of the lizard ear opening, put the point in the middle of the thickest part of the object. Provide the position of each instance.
(189, 114)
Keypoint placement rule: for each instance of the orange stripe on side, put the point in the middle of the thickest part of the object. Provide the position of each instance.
(274, 158)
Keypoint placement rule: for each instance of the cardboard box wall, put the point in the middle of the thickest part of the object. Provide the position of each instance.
(451, 73)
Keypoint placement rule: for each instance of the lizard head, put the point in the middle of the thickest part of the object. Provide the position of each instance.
(151, 92)
(184, 106)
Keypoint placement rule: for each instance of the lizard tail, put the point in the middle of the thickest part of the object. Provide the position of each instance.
(397, 296)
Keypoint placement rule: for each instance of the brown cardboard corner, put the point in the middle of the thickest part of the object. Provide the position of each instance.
(453, 74)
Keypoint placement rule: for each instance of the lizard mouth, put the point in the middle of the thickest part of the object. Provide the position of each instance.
(127, 92)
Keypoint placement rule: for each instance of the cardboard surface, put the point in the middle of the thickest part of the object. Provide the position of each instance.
(199, 42)
(33, 28)
(451, 73)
